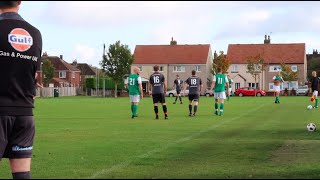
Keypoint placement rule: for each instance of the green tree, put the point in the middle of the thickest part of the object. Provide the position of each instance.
(255, 66)
(48, 72)
(220, 60)
(117, 62)
(287, 74)
(313, 65)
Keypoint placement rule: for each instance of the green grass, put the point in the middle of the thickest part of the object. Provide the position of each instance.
(80, 137)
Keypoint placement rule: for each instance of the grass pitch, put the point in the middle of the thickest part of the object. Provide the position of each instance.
(85, 137)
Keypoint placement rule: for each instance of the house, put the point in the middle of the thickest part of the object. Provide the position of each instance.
(293, 55)
(174, 59)
(65, 75)
(86, 71)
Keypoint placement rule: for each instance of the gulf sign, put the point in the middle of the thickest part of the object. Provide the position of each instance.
(20, 39)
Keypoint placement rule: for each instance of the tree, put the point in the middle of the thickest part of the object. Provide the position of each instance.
(48, 71)
(287, 74)
(313, 65)
(220, 61)
(255, 66)
(117, 62)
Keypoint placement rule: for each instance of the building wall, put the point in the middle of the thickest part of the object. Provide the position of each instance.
(242, 70)
(74, 81)
(265, 77)
(301, 74)
(170, 74)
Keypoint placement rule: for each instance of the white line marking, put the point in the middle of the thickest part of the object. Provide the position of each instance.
(150, 153)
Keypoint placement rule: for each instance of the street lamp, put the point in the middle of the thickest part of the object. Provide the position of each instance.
(41, 80)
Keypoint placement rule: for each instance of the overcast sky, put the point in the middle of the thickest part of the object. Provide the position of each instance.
(78, 30)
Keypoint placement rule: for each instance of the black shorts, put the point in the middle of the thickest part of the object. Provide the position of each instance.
(178, 91)
(193, 97)
(16, 136)
(158, 98)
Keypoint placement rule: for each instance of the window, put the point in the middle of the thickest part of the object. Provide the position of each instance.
(254, 85)
(62, 74)
(179, 68)
(198, 68)
(293, 84)
(294, 68)
(274, 68)
(161, 68)
(271, 86)
(237, 85)
(73, 75)
(234, 69)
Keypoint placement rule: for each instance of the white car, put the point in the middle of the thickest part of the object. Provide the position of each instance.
(173, 92)
(302, 90)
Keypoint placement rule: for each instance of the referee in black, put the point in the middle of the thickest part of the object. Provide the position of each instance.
(20, 53)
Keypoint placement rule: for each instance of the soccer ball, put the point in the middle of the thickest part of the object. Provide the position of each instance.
(309, 107)
(311, 127)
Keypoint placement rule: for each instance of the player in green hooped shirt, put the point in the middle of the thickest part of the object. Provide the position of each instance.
(219, 82)
(134, 84)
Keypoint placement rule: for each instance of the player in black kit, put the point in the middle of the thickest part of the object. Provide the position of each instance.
(158, 88)
(20, 53)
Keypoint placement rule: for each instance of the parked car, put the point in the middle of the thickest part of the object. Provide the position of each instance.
(248, 91)
(302, 90)
(173, 92)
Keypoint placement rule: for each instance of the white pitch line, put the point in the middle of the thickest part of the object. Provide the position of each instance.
(150, 153)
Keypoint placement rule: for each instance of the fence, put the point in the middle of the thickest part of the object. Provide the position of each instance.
(63, 91)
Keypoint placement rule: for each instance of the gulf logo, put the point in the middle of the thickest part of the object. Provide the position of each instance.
(20, 39)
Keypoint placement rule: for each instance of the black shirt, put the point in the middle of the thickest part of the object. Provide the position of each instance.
(157, 81)
(20, 53)
(314, 83)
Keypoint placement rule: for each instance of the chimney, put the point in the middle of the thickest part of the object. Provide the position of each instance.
(61, 57)
(74, 63)
(173, 42)
(266, 41)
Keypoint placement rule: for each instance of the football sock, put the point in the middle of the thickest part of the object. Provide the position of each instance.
(221, 108)
(176, 99)
(216, 106)
(228, 97)
(135, 110)
(180, 99)
(156, 110)
(195, 109)
(317, 102)
(190, 108)
(21, 175)
(164, 108)
(132, 108)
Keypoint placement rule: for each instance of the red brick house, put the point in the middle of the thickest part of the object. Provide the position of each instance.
(65, 75)
(293, 55)
(174, 59)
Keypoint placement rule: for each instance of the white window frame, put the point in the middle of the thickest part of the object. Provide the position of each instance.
(198, 68)
(272, 89)
(62, 74)
(294, 67)
(293, 84)
(182, 68)
(237, 85)
(234, 69)
(274, 68)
